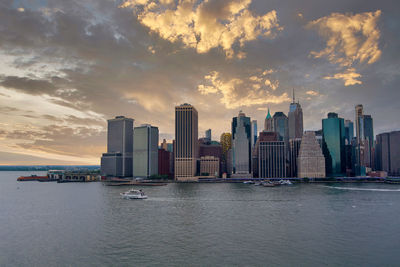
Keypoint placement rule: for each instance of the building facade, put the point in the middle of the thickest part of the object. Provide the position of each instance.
(310, 161)
(241, 142)
(118, 160)
(269, 123)
(145, 151)
(271, 159)
(294, 149)
(334, 145)
(295, 120)
(388, 152)
(209, 166)
(186, 141)
(281, 126)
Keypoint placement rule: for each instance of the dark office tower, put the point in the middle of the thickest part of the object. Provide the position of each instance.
(359, 128)
(241, 142)
(295, 120)
(269, 123)
(365, 140)
(281, 126)
(334, 145)
(349, 131)
(294, 148)
(388, 152)
(186, 142)
(254, 133)
(118, 161)
(208, 135)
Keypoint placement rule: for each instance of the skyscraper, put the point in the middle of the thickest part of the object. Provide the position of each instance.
(295, 120)
(186, 141)
(365, 140)
(269, 123)
(271, 158)
(145, 151)
(241, 143)
(311, 161)
(208, 135)
(241, 146)
(294, 149)
(254, 132)
(118, 159)
(388, 152)
(349, 131)
(281, 126)
(334, 145)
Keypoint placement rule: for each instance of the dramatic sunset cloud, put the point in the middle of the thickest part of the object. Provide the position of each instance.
(350, 39)
(68, 66)
(237, 92)
(206, 25)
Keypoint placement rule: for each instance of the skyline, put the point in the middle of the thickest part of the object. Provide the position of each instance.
(68, 67)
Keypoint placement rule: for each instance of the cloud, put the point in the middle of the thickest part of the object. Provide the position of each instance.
(206, 25)
(237, 92)
(350, 77)
(349, 38)
(28, 85)
(312, 93)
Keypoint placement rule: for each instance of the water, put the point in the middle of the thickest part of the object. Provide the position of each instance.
(88, 224)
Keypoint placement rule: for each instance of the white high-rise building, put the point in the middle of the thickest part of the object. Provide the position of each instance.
(311, 161)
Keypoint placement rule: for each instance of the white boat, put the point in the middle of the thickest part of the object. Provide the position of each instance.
(285, 182)
(248, 182)
(134, 194)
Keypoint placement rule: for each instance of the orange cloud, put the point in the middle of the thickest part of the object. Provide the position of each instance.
(350, 77)
(236, 93)
(207, 25)
(350, 39)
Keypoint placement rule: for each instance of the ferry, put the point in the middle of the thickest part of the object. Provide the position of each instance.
(133, 194)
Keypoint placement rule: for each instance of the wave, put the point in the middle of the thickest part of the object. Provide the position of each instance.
(364, 189)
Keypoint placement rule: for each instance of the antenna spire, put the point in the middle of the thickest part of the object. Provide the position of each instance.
(293, 95)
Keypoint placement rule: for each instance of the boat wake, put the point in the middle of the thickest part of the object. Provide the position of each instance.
(364, 189)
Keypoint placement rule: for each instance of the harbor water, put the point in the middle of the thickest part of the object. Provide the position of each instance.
(88, 224)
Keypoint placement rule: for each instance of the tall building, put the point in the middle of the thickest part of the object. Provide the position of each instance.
(294, 149)
(359, 128)
(272, 159)
(269, 123)
(311, 161)
(349, 131)
(164, 144)
(241, 146)
(118, 161)
(254, 133)
(208, 135)
(186, 140)
(295, 120)
(281, 126)
(334, 145)
(241, 142)
(164, 162)
(145, 151)
(365, 140)
(388, 152)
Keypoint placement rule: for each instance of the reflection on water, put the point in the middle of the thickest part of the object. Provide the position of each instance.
(198, 224)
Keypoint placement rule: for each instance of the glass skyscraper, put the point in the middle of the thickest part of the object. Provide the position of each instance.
(281, 126)
(333, 132)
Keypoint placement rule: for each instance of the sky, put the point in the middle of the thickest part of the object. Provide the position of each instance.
(68, 66)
